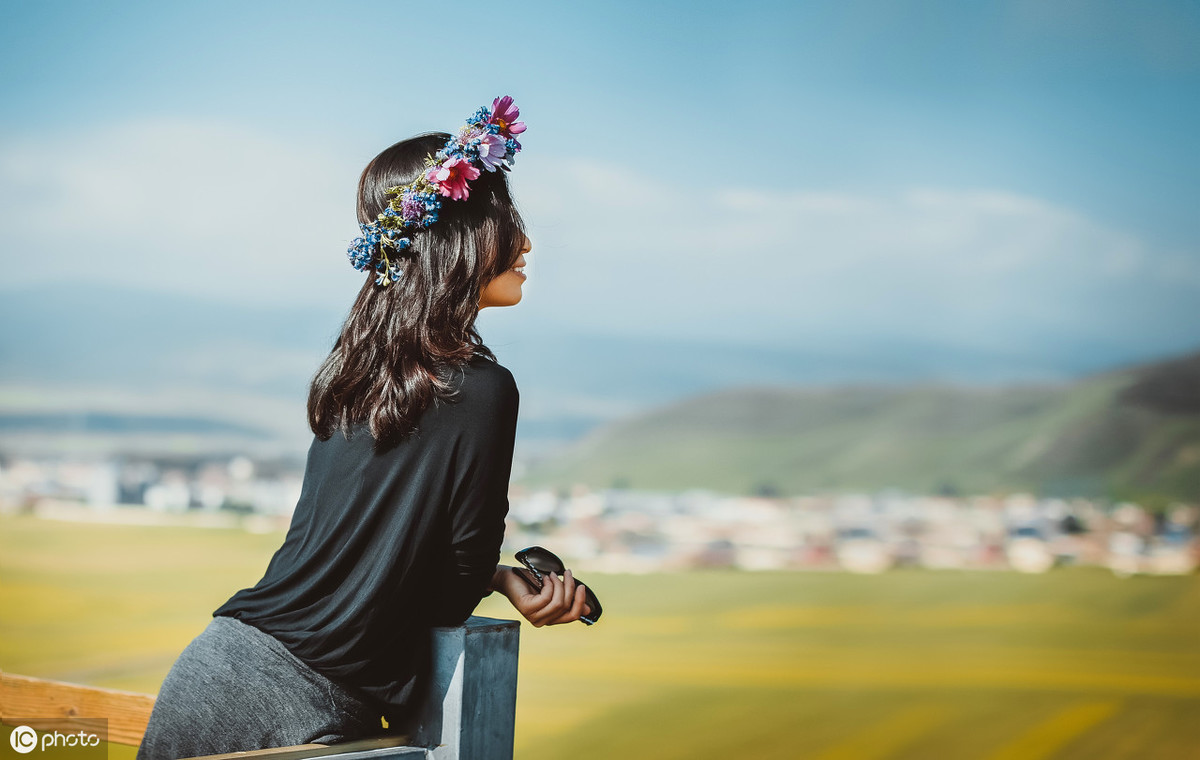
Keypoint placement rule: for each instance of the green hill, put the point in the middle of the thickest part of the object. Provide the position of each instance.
(1127, 433)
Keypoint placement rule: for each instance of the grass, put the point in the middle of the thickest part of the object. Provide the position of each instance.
(912, 664)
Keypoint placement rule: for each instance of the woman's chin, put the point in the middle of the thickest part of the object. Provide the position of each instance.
(505, 290)
(504, 299)
(511, 295)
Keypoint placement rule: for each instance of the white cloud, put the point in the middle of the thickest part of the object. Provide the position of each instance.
(206, 207)
(745, 262)
(222, 210)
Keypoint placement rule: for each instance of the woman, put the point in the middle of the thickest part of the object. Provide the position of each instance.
(401, 514)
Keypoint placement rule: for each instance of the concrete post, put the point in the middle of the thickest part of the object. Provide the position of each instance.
(471, 706)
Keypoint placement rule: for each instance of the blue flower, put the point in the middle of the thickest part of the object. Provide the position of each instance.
(360, 252)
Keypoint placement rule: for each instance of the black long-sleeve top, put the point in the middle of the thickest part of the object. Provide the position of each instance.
(382, 547)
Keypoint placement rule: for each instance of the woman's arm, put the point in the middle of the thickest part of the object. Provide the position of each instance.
(559, 601)
(481, 461)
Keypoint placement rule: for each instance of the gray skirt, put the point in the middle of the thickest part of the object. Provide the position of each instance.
(235, 688)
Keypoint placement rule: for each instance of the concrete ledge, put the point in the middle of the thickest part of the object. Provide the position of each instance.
(471, 706)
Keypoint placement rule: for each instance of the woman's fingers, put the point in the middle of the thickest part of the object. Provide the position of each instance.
(575, 605)
(543, 608)
(561, 600)
(568, 589)
(533, 598)
(553, 607)
(578, 607)
(581, 604)
(547, 593)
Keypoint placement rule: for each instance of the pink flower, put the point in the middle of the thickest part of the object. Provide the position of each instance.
(504, 115)
(451, 178)
(492, 149)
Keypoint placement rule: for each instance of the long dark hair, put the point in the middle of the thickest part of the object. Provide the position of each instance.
(400, 344)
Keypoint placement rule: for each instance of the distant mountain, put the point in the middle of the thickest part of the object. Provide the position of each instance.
(99, 422)
(103, 335)
(198, 373)
(1133, 432)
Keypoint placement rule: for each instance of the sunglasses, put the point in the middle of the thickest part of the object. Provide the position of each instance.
(541, 561)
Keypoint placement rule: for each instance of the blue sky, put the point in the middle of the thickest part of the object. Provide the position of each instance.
(1016, 179)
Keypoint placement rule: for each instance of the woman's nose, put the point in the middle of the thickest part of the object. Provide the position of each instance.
(527, 246)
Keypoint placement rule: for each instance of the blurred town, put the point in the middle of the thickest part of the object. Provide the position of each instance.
(621, 530)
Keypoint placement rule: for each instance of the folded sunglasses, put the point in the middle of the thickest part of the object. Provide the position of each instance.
(541, 561)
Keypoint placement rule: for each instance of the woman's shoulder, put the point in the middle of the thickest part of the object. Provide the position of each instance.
(487, 381)
(489, 371)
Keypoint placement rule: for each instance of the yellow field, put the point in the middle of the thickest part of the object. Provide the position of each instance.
(973, 665)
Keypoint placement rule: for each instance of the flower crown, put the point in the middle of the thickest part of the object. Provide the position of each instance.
(487, 141)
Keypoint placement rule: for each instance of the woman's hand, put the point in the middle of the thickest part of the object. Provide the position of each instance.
(561, 600)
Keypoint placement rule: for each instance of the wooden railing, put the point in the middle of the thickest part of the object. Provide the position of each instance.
(469, 712)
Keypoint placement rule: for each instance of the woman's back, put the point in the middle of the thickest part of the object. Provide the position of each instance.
(383, 545)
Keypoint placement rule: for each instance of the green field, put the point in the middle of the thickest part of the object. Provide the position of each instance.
(913, 664)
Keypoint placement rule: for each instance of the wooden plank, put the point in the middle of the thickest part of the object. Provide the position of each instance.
(373, 747)
(128, 712)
